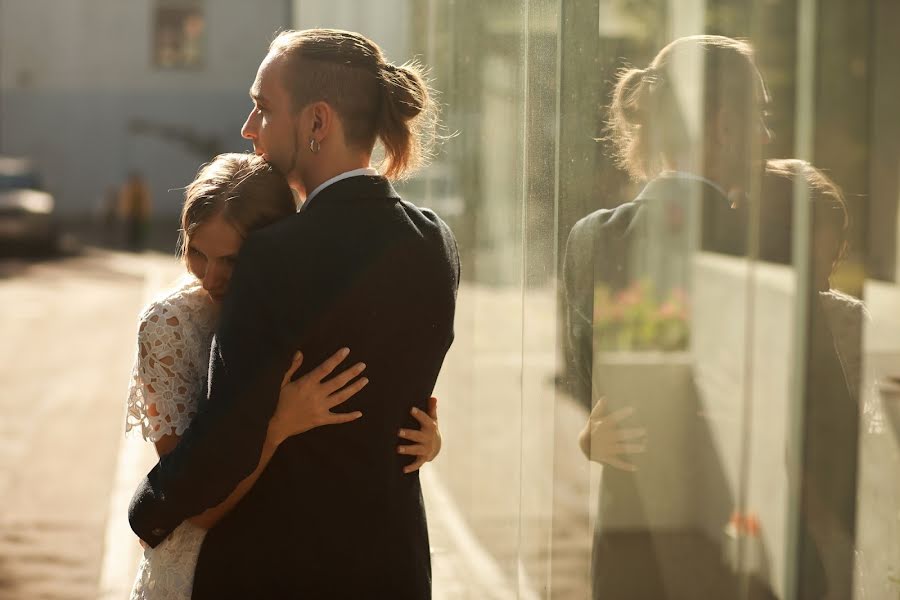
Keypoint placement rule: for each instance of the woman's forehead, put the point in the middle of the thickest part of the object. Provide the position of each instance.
(216, 235)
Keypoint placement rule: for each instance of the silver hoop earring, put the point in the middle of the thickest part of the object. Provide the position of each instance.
(314, 145)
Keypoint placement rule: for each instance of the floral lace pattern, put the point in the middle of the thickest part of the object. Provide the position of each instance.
(172, 362)
(167, 571)
(169, 373)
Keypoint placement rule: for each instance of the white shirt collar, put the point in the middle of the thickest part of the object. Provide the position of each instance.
(335, 179)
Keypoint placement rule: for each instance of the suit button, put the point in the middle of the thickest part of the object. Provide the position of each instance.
(158, 531)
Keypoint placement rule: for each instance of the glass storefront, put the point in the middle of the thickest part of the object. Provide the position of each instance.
(678, 325)
(676, 371)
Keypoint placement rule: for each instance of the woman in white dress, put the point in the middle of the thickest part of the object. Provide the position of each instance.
(232, 195)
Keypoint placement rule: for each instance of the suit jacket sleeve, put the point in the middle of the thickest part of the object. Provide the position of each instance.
(224, 441)
(578, 276)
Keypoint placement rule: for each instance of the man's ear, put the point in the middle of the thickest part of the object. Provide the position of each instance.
(321, 120)
(723, 127)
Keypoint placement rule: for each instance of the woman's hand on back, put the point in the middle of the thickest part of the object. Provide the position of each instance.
(306, 403)
(426, 440)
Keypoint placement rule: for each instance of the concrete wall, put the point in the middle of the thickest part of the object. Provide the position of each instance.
(68, 94)
(878, 499)
(742, 368)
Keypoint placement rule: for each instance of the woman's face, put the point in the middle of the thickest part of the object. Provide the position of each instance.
(211, 253)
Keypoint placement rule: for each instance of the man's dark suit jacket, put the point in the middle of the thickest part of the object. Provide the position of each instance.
(606, 248)
(609, 248)
(333, 515)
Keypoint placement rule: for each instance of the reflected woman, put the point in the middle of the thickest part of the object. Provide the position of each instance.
(827, 487)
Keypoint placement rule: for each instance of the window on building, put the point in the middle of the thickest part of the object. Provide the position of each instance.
(179, 34)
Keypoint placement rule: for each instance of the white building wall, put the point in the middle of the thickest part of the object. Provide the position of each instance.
(387, 22)
(68, 95)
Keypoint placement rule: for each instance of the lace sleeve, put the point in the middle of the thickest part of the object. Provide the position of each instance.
(165, 382)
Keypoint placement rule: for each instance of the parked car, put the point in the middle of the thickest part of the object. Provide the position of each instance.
(27, 213)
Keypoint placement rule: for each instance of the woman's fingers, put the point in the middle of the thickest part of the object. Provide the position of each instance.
(330, 364)
(295, 364)
(630, 448)
(412, 450)
(414, 436)
(620, 415)
(599, 409)
(343, 378)
(417, 450)
(620, 464)
(338, 418)
(415, 466)
(633, 433)
(424, 420)
(432, 408)
(345, 394)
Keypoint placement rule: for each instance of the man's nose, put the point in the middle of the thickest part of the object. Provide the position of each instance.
(248, 131)
(767, 135)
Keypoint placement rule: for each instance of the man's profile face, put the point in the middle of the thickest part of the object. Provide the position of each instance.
(741, 153)
(272, 122)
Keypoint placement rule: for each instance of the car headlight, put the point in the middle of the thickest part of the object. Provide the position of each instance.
(30, 201)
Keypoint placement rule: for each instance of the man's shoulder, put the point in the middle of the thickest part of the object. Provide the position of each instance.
(276, 238)
(616, 220)
(425, 218)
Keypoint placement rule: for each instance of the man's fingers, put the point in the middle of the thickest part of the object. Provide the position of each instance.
(413, 435)
(330, 364)
(343, 378)
(424, 420)
(432, 407)
(295, 364)
(345, 394)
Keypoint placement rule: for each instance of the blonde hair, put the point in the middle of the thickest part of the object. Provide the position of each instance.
(645, 122)
(375, 99)
(242, 188)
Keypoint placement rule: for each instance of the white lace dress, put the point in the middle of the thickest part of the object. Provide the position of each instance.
(169, 373)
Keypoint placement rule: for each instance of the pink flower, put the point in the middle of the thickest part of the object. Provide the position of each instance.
(668, 311)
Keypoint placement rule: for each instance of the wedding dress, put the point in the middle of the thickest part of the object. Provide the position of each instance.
(169, 376)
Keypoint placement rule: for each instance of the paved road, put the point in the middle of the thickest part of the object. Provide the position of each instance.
(65, 352)
(65, 473)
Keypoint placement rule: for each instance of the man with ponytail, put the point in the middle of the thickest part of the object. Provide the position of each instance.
(689, 126)
(332, 516)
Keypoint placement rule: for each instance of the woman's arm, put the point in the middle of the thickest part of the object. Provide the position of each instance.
(208, 518)
(212, 516)
(302, 405)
